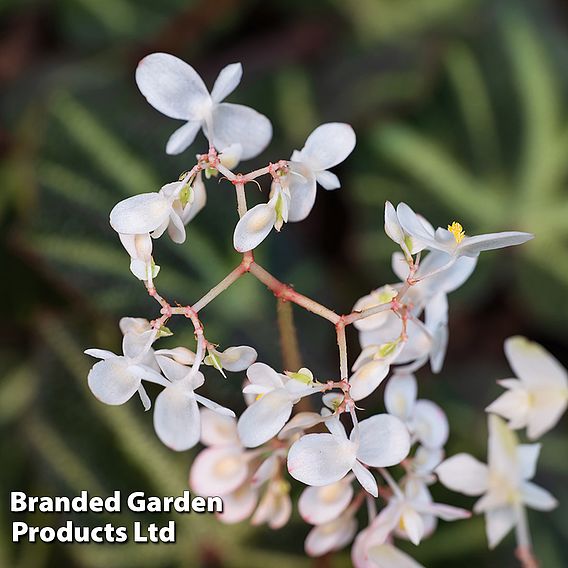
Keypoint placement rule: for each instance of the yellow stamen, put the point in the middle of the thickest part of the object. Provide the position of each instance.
(457, 230)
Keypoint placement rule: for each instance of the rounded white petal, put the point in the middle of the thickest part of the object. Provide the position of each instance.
(183, 137)
(172, 86)
(134, 325)
(321, 459)
(465, 474)
(319, 505)
(263, 375)
(400, 395)
(218, 429)
(302, 192)
(328, 180)
(254, 227)
(263, 419)
(140, 214)
(366, 479)
(238, 358)
(238, 505)
(430, 424)
(112, 382)
(227, 81)
(328, 145)
(378, 297)
(176, 418)
(547, 409)
(368, 377)
(331, 536)
(384, 441)
(218, 471)
(238, 124)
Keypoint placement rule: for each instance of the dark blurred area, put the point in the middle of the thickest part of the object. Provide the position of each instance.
(460, 111)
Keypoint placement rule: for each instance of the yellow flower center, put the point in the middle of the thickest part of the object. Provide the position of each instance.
(457, 230)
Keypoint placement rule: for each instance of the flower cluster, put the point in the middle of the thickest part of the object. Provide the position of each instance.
(342, 459)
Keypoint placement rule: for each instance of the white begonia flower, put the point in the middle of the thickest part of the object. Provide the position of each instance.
(176, 414)
(276, 396)
(425, 420)
(275, 506)
(331, 536)
(175, 89)
(321, 505)
(322, 459)
(538, 398)
(293, 194)
(453, 240)
(233, 359)
(504, 483)
(116, 378)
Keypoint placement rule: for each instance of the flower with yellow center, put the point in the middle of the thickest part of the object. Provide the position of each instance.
(457, 230)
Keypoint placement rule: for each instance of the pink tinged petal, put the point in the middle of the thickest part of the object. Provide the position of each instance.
(331, 536)
(328, 180)
(302, 192)
(172, 86)
(412, 525)
(182, 138)
(367, 379)
(238, 505)
(384, 441)
(472, 246)
(100, 353)
(498, 523)
(263, 419)
(238, 124)
(534, 365)
(254, 227)
(387, 556)
(227, 81)
(430, 424)
(140, 213)
(328, 145)
(319, 505)
(366, 479)
(238, 358)
(400, 395)
(176, 418)
(320, 459)
(536, 497)
(218, 429)
(218, 471)
(465, 474)
(112, 382)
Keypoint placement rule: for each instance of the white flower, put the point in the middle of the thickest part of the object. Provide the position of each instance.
(322, 459)
(538, 398)
(426, 421)
(453, 240)
(176, 415)
(175, 89)
(293, 194)
(370, 552)
(321, 505)
(233, 359)
(331, 536)
(276, 396)
(139, 247)
(504, 482)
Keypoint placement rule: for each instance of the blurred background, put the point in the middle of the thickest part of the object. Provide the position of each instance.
(460, 110)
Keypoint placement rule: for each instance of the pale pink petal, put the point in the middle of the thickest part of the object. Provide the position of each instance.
(218, 429)
(319, 505)
(238, 505)
(330, 536)
(218, 471)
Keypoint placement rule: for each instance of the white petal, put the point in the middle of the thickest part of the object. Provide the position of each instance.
(263, 419)
(513, 405)
(366, 479)
(319, 505)
(384, 441)
(134, 325)
(430, 424)
(547, 409)
(502, 447)
(366, 380)
(498, 522)
(176, 418)
(172, 369)
(262, 374)
(112, 382)
(299, 422)
(266, 470)
(140, 213)
(465, 474)
(328, 180)
(400, 395)
(172, 86)
(320, 459)
(183, 137)
(422, 235)
(214, 406)
(472, 246)
(238, 505)
(331, 536)
(218, 471)
(328, 145)
(238, 124)
(238, 358)
(378, 297)
(100, 353)
(180, 355)
(412, 524)
(254, 227)
(199, 200)
(394, 231)
(302, 191)
(445, 512)
(227, 81)
(218, 429)
(537, 498)
(387, 556)
(527, 456)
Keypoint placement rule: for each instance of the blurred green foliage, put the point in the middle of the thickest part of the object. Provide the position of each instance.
(459, 107)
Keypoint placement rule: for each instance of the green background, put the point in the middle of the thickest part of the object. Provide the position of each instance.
(460, 110)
